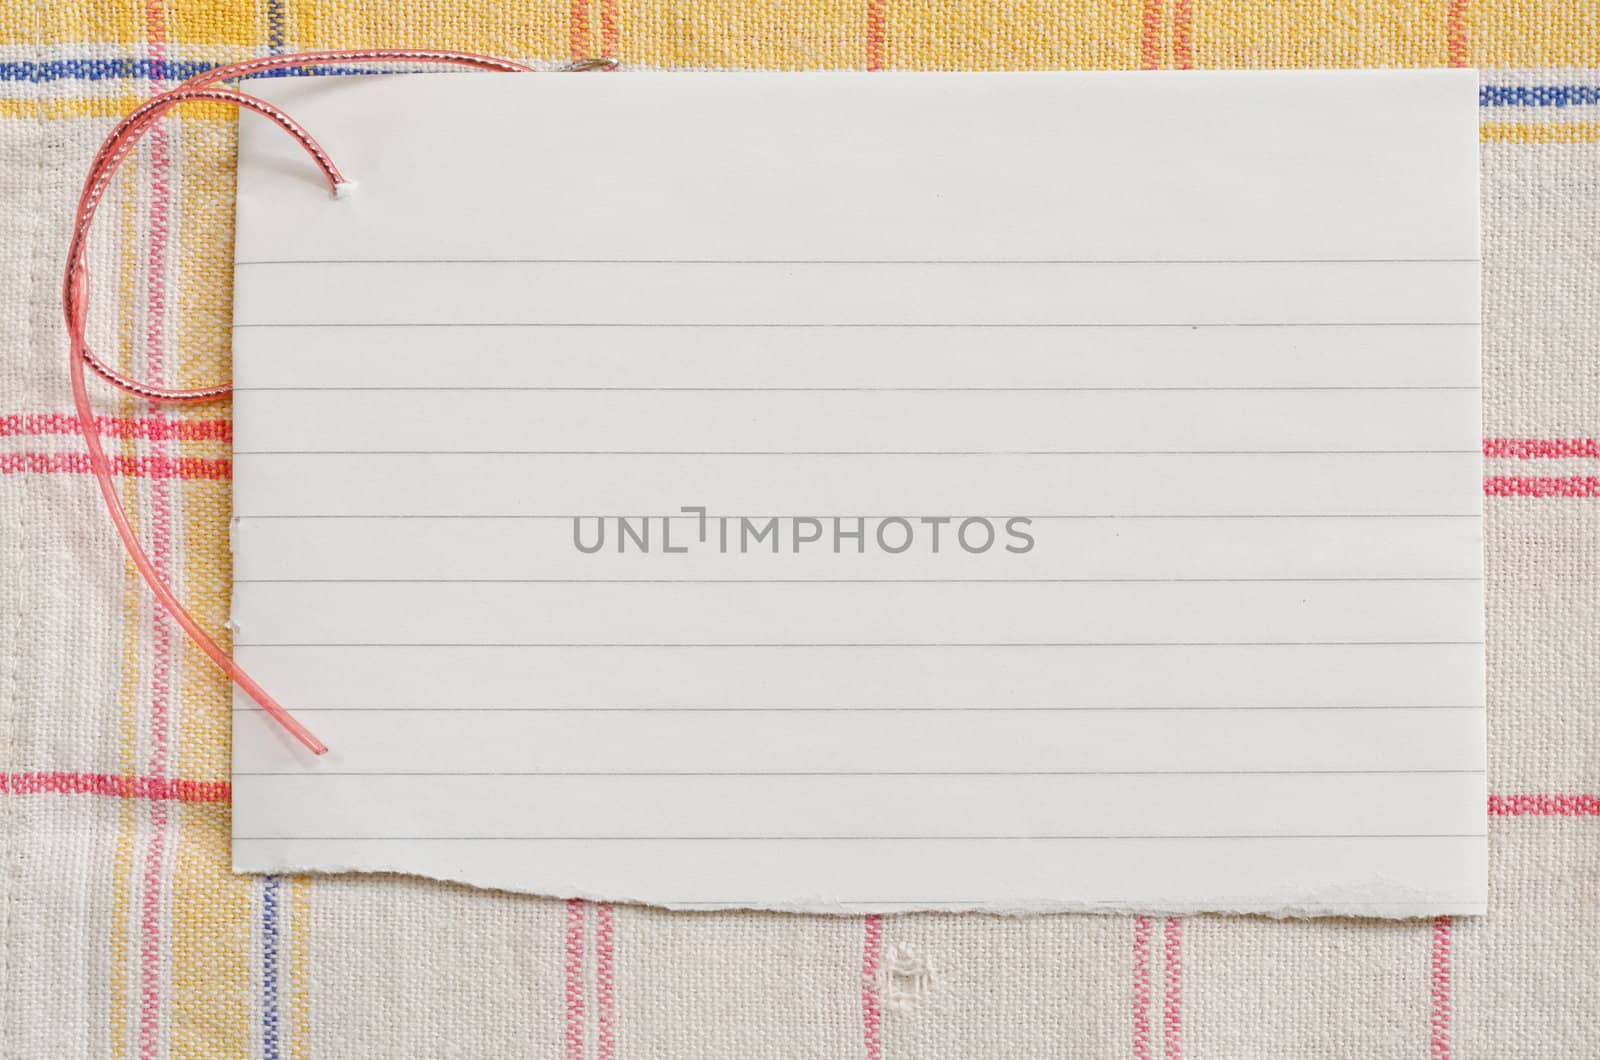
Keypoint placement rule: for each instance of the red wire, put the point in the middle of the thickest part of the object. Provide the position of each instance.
(75, 295)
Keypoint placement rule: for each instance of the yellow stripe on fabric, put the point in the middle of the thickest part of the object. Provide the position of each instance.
(125, 22)
(217, 23)
(210, 940)
(299, 991)
(1555, 132)
(1320, 33)
(584, 36)
(531, 30)
(203, 253)
(955, 34)
(71, 21)
(745, 34)
(124, 966)
(104, 107)
(1531, 33)
(210, 951)
(1015, 35)
(1165, 33)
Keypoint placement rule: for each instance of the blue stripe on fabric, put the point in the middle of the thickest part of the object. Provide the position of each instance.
(277, 27)
(269, 968)
(98, 70)
(136, 70)
(131, 69)
(1538, 95)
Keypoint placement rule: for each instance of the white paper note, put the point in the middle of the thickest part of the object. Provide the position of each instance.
(836, 492)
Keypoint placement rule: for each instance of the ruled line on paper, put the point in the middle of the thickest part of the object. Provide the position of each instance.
(857, 261)
(852, 515)
(1188, 324)
(837, 581)
(447, 388)
(1025, 837)
(872, 645)
(909, 295)
(842, 357)
(878, 773)
(815, 452)
(252, 711)
(868, 903)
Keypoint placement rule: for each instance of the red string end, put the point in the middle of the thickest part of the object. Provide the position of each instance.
(75, 295)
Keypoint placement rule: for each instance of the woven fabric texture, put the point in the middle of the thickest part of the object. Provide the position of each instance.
(122, 930)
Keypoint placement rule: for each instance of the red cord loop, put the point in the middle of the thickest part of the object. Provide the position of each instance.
(75, 293)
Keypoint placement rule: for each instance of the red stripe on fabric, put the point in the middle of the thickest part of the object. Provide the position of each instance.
(578, 29)
(1540, 448)
(610, 27)
(1171, 1009)
(574, 972)
(161, 539)
(150, 945)
(1439, 1020)
(1183, 34)
(1544, 805)
(154, 466)
(1541, 486)
(871, 1006)
(876, 29)
(604, 980)
(155, 335)
(124, 428)
(1150, 36)
(1456, 33)
(160, 789)
(1141, 988)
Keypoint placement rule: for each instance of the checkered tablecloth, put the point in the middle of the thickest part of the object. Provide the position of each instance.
(122, 930)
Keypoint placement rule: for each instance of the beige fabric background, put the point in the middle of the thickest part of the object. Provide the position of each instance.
(122, 931)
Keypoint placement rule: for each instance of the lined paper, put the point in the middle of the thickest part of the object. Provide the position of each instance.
(840, 493)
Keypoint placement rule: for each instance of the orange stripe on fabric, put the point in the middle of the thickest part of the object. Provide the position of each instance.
(1456, 33)
(1183, 34)
(1150, 36)
(610, 27)
(877, 28)
(578, 23)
